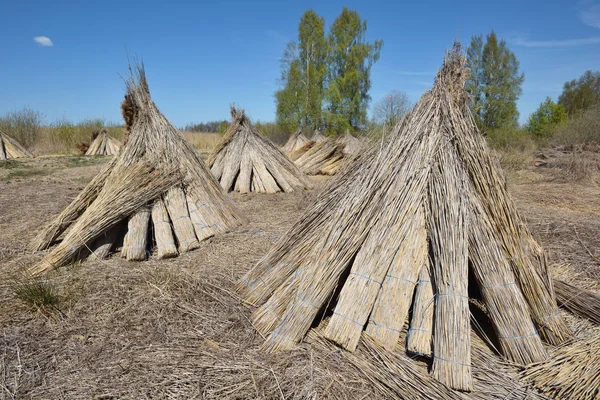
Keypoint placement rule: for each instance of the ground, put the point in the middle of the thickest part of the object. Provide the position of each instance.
(175, 328)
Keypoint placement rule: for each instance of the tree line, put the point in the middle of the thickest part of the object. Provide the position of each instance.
(325, 76)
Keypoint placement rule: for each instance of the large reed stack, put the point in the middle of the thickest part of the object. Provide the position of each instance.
(103, 145)
(10, 148)
(247, 161)
(296, 141)
(415, 214)
(157, 177)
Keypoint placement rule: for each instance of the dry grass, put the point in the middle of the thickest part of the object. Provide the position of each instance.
(175, 328)
(204, 142)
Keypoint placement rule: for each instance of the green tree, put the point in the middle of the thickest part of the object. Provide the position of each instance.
(495, 84)
(580, 94)
(549, 114)
(289, 97)
(312, 54)
(303, 65)
(350, 60)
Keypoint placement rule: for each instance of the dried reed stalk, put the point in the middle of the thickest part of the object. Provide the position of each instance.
(137, 235)
(571, 373)
(163, 231)
(247, 161)
(177, 206)
(507, 309)
(153, 141)
(580, 302)
(10, 148)
(396, 295)
(448, 233)
(127, 191)
(105, 243)
(296, 141)
(103, 144)
(419, 338)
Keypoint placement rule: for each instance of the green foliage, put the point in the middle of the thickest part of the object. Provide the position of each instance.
(350, 60)
(548, 115)
(23, 125)
(580, 94)
(582, 128)
(332, 70)
(37, 292)
(494, 83)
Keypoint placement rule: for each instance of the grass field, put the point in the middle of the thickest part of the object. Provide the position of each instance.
(175, 328)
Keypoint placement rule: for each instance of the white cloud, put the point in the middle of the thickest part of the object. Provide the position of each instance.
(43, 41)
(557, 43)
(589, 13)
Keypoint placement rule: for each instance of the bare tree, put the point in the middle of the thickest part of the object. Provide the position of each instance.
(391, 108)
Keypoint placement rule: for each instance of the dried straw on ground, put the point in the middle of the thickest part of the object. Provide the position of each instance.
(572, 373)
(581, 302)
(358, 252)
(247, 161)
(103, 144)
(318, 136)
(157, 177)
(296, 141)
(10, 148)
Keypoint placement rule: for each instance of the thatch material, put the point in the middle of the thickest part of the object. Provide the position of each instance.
(318, 136)
(10, 148)
(341, 257)
(247, 161)
(156, 165)
(580, 302)
(103, 144)
(320, 158)
(296, 141)
(573, 372)
(350, 144)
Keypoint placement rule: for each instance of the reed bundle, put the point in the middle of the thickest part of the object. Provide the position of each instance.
(428, 205)
(157, 177)
(103, 144)
(571, 373)
(10, 148)
(581, 302)
(350, 144)
(317, 136)
(296, 141)
(247, 161)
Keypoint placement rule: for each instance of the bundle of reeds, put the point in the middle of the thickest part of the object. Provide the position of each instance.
(103, 145)
(350, 144)
(247, 161)
(359, 252)
(571, 373)
(317, 136)
(157, 177)
(10, 148)
(296, 141)
(324, 157)
(580, 302)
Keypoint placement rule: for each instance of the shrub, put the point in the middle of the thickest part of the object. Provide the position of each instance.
(24, 125)
(582, 129)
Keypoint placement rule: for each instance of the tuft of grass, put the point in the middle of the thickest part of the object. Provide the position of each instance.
(12, 164)
(37, 292)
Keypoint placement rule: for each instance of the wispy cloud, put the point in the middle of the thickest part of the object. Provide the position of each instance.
(557, 43)
(43, 41)
(589, 13)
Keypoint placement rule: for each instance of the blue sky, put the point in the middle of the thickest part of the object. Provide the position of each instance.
(200, 56)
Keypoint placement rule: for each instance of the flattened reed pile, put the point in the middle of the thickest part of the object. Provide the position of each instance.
(430, 197)
(10, 148)
(296, 141)
(581, 302)
(103, 145)
(572, 373)
(157, 191)
(247, 161)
